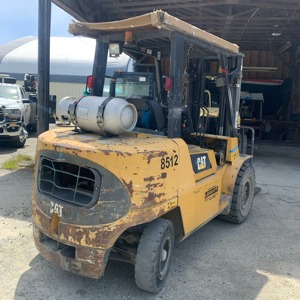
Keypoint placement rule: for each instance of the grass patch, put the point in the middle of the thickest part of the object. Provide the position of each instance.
(15, 161)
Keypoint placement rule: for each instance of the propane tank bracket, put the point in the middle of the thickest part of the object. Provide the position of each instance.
(100, 113)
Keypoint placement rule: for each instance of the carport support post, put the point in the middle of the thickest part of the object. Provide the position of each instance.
(294, 74)
(99, 68)
(176, 71)
(43, 65)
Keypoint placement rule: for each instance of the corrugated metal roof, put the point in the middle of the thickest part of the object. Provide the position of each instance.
(252, 24)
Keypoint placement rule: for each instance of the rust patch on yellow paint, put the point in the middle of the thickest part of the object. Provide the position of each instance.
(68, 147)
(87, 262)
(54, 224)
(129, 186)
(77, 234)
(152, 197)
(155, 154)
(151, 186)
(40, 218)
(151, 178)
(163, 176)
(118, 153)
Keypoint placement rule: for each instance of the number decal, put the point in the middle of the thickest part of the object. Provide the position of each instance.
(169, 162)
(56, 208)
(175, 160)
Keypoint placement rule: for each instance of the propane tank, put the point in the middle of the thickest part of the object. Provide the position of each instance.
(103, 115)
(62, 110)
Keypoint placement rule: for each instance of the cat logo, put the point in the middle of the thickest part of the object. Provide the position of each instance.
(201, 163)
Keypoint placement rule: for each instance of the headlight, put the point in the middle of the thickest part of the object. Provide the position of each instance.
(12, 113)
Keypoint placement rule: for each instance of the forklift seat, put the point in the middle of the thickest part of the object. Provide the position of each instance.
(150, 113)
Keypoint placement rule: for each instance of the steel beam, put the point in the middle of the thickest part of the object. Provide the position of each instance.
(176, 71)
(100, 62)
(44, 22)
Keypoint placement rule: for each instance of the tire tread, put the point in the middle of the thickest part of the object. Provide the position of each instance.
(147, 254)
(234, 214)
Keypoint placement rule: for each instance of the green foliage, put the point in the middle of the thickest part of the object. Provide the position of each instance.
(15, 161)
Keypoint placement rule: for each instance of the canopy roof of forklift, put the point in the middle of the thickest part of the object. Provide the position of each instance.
(162, 23)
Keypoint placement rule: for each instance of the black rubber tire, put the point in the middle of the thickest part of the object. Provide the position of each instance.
(243, 195)
(153, 255)
(32, 127)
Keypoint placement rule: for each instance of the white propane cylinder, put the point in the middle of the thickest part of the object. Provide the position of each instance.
(62, 109)
(118, 115)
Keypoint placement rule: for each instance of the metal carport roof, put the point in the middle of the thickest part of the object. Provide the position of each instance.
(252, 24)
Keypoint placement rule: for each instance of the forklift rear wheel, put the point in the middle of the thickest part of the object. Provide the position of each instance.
(153, 255)
(242, 196)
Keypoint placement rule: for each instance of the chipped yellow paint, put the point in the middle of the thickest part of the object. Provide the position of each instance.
(54, 224)
(172, 204)
(137, 162)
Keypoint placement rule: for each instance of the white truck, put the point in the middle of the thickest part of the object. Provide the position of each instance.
(17, 114)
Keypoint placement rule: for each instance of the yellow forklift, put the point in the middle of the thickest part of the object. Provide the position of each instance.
(146, 165)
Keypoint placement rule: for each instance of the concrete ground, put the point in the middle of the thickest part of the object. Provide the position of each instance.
(7, 152)
(256, 260)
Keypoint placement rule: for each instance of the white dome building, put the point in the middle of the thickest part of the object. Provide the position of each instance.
(71, 61)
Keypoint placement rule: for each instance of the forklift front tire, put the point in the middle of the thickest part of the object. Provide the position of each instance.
(153, 255)
(242, 196)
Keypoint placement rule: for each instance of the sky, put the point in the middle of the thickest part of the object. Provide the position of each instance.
(19, 18)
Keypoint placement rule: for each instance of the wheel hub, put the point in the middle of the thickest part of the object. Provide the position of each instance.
(23, 135)
(164, 258)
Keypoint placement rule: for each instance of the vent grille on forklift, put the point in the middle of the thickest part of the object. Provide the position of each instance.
(68, 182)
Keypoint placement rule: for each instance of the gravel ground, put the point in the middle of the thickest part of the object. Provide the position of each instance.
(256, 260)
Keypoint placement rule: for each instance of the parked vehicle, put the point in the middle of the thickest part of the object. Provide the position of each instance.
(17, 113)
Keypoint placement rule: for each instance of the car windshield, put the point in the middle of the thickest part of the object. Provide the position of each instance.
(10, 92)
